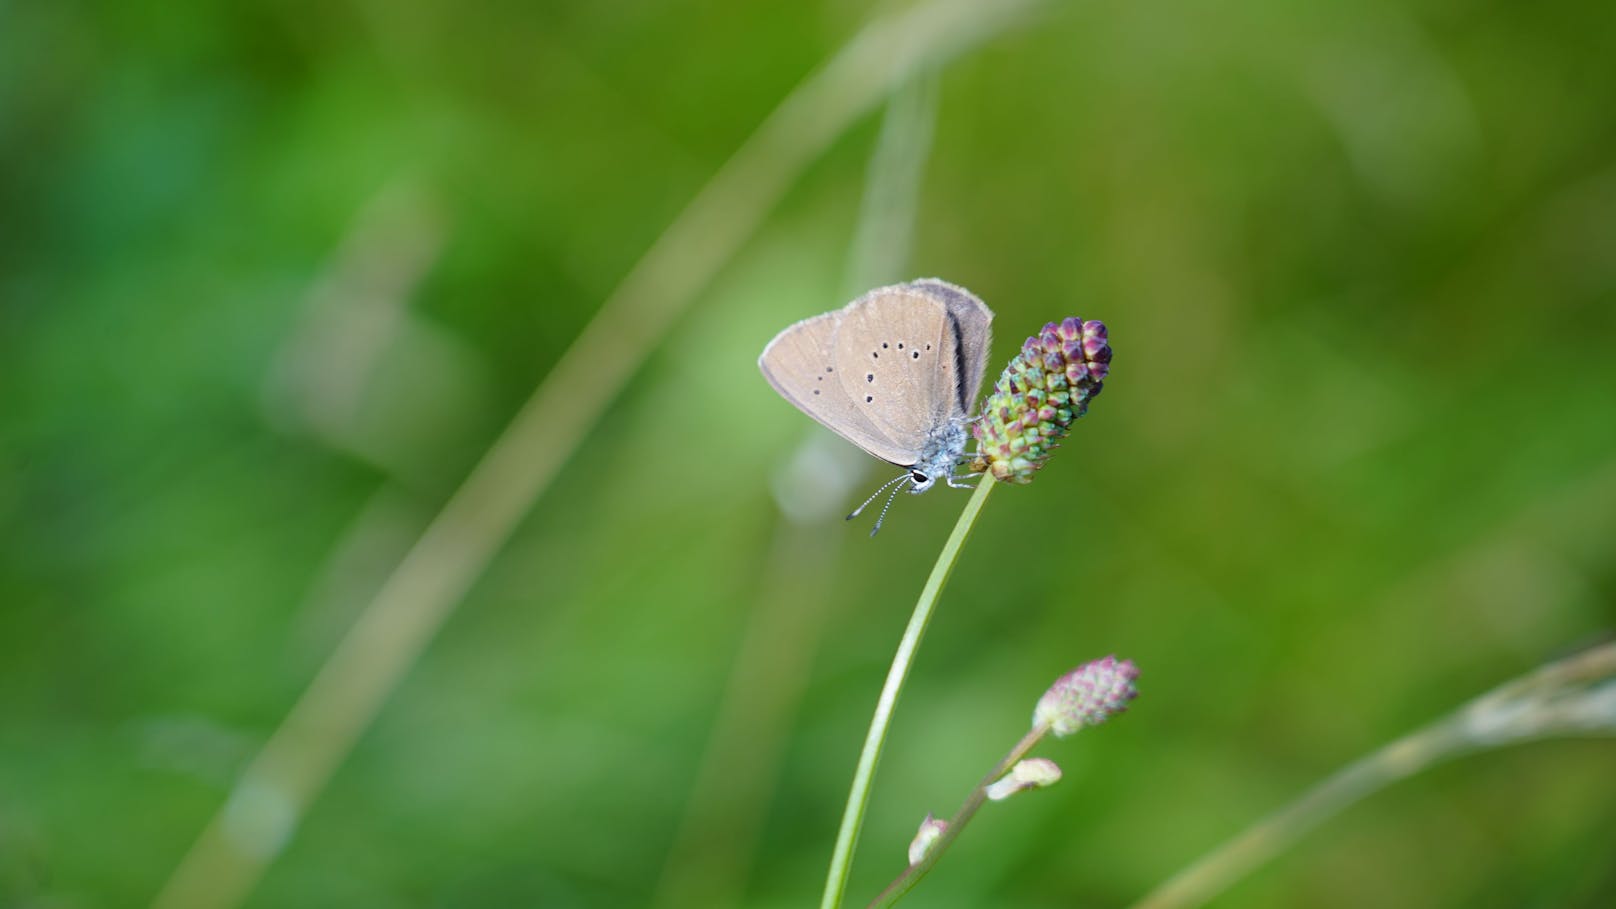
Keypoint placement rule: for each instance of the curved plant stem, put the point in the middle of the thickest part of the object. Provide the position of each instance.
(1568, 698)
(1262, 841)
(858, 797)
(912, 875)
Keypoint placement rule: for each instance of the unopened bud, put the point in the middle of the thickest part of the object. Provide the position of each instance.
(1087, 696)
(1033, 773)
(930, 829)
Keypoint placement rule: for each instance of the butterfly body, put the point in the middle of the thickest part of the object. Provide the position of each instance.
(943, 450)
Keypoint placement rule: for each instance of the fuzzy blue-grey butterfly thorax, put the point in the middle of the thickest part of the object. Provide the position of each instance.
(944, 450)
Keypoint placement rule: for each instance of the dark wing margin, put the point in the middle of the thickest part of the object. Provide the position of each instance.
(972, 323)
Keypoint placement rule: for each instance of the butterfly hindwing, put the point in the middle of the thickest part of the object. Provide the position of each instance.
(973, 327)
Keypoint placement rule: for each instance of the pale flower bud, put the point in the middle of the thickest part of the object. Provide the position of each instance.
(1087, 696)
(930, 829)
(1034, 773)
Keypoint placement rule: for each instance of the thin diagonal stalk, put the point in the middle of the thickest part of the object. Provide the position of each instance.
(1550, 701)
(956, 824)
(858, 797)
(294, 766)
(705, 865)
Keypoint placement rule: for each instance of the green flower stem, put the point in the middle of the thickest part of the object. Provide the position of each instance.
(858, 798)
(912, 875)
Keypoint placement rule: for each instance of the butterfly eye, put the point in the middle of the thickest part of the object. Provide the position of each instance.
(917, 476)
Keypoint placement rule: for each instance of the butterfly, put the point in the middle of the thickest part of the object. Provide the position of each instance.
(896, 372)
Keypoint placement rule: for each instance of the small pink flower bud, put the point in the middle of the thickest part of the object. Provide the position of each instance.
(930, 829)
(1033, 773)
(1087, 696)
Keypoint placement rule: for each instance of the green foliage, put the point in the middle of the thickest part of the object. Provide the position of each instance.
(272, 277)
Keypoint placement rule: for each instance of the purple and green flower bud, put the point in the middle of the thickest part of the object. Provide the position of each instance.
(1087, 696)
(930, 829)
(1033, 773)
(1043, 390)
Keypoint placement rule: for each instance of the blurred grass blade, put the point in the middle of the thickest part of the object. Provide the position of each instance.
(707, 863)
(891, 201)
(1575, 696)
(268, 802)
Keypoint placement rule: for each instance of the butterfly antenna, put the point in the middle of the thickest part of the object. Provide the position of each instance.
(883, 516)
(857, 511)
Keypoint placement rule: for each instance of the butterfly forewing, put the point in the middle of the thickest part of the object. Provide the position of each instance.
(800, 364)
(895, 354)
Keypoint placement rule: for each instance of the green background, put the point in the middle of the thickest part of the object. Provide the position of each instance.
(272, 277)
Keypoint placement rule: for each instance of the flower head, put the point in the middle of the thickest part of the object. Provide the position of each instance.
(1087, 696)
(1046, 387)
